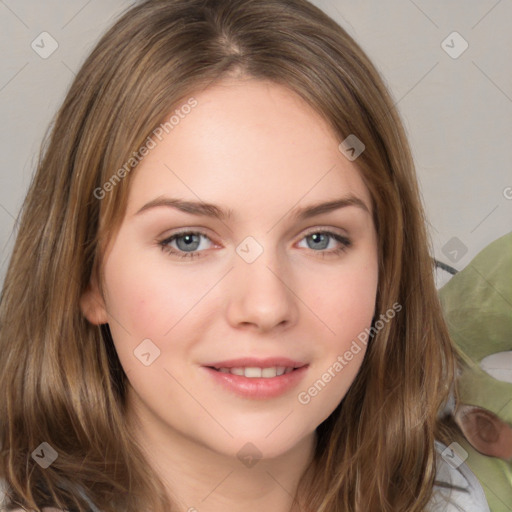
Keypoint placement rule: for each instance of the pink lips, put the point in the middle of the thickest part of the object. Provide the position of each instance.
(257, 387)
(260, 363)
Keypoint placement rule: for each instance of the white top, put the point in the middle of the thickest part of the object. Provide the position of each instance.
(466, 494)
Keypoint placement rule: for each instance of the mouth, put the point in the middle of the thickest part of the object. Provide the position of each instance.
(255, 372)
(257, 379)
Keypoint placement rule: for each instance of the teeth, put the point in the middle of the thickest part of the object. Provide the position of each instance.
(268, 372)
(254, 372)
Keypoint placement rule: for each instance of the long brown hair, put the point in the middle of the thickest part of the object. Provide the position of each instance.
(61, 380)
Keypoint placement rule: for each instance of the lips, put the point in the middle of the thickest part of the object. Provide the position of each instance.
(257, 368)
(254, 372)
(257, 378)
(251, 362)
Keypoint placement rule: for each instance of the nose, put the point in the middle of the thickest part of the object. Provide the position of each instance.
(261, 295)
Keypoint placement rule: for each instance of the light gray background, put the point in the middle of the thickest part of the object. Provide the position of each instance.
(457, 111)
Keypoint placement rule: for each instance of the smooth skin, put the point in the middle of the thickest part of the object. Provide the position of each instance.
(256, 149)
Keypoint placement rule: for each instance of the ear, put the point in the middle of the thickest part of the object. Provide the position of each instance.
(92, 304)
(485, 431)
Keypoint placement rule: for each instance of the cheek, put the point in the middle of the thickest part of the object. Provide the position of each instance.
(345, 301)
(149, 299)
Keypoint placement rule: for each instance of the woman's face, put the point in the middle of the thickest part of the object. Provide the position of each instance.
(249, 286)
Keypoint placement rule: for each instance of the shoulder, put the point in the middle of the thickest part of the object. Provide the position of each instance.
(45, 509)
(3, 488)
(457, 489)
(3, 500)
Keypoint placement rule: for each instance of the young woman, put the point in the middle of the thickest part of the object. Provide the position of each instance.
(221, 295)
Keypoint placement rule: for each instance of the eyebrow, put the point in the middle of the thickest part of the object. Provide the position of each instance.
(212, 210)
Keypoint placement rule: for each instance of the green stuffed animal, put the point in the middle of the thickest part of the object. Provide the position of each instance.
(477, 303)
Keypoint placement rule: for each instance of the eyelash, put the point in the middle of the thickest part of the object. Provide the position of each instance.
(344, 241)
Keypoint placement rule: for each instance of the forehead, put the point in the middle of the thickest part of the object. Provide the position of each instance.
(245, 138)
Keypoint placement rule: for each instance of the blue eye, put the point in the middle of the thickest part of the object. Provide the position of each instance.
(320, 240)
(187, 244)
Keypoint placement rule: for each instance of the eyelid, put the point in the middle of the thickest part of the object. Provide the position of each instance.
(330, 229)
(185, 231)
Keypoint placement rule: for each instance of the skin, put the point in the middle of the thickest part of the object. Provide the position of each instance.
(258, 149)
